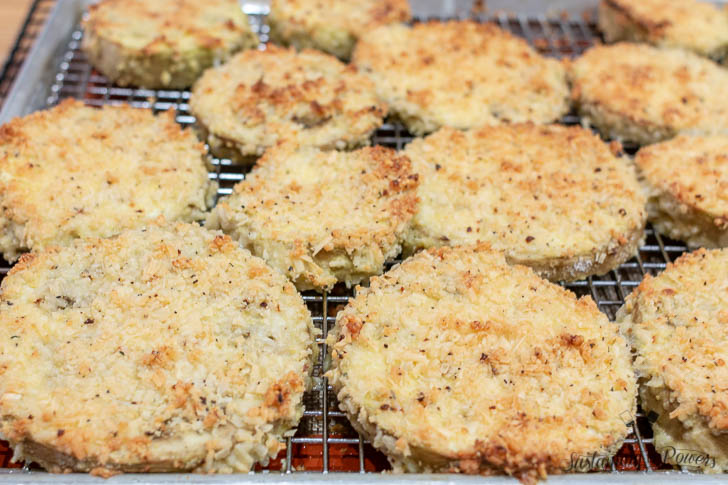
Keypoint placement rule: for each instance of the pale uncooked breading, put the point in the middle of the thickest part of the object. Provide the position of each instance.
(164, 348)
(455, 361)
(77, 171)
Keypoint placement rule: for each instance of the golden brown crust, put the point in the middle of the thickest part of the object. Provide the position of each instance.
(699, 26)
(455, 361)
(77, 171)
(165, 348)
(261, 98)
(322, 217)
(332, 26)
(676, 323)
(461, 74)
(552, 197)
(163, 43)
(643, 94)
(687, 178)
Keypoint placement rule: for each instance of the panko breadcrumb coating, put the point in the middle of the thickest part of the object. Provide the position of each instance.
(455, 361)
(322, 217)
(76, 171)
(261, 98)
(332, 26)
(677, 323)
(643, 94)
(554, 198)
(699, 26)
(461, 74)
(687, 180)
(163, 44)
(167, 348)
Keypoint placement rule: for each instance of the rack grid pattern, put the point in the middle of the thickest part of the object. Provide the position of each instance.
(324, 440)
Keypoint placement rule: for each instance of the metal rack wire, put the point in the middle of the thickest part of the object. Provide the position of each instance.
(325, 441)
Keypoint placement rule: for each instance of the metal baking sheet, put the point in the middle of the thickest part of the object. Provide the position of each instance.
(56, 68)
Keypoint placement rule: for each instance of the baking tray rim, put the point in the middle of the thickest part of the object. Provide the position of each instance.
(24, 97)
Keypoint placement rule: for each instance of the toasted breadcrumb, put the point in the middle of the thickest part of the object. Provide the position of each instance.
(455, 361)
(676, 323)
(332, 26)
(552, 197)
(164, 348)
(687, 180)
(643, 94)
(322, 217)
(461, 74)
(76, 171)
(699, 26)
(261, 98)
(163, 44)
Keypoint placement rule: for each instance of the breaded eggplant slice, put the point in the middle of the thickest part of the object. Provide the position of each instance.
(163, 44)
(167, 348)
(461, 74)
(554, 198)
(76, 171)
(687, 181)
(332, 26)
(642, 94)
(455, 361)
(677, 324)
(322, 217)
(261, 98)
(698, 26)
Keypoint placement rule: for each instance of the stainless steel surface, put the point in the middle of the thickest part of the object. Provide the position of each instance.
(664, 478)
(325, 443)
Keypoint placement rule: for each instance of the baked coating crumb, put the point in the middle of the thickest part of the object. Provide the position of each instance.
(164, 348)
(676, 323)
(332, 26)
(687, 181)
(455, 361)
(552, 197)
(699, 26)
(76, 171)
(461, 74)
(322, 217)
(163, 44)
(261, 98)
(643, 94)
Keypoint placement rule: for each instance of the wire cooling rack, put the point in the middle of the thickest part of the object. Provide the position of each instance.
(325, 442)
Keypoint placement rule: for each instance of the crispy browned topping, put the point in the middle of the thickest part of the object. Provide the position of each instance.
(331, 25)
(159, 26)
(461, 74)
(166, 348)
(261, 98)
(699, 26)
(688, 181)
(644, 94)
(163, 44)
(76, 171)
(455, 361)
(677, 323)
(322, 217)
(555, 198)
